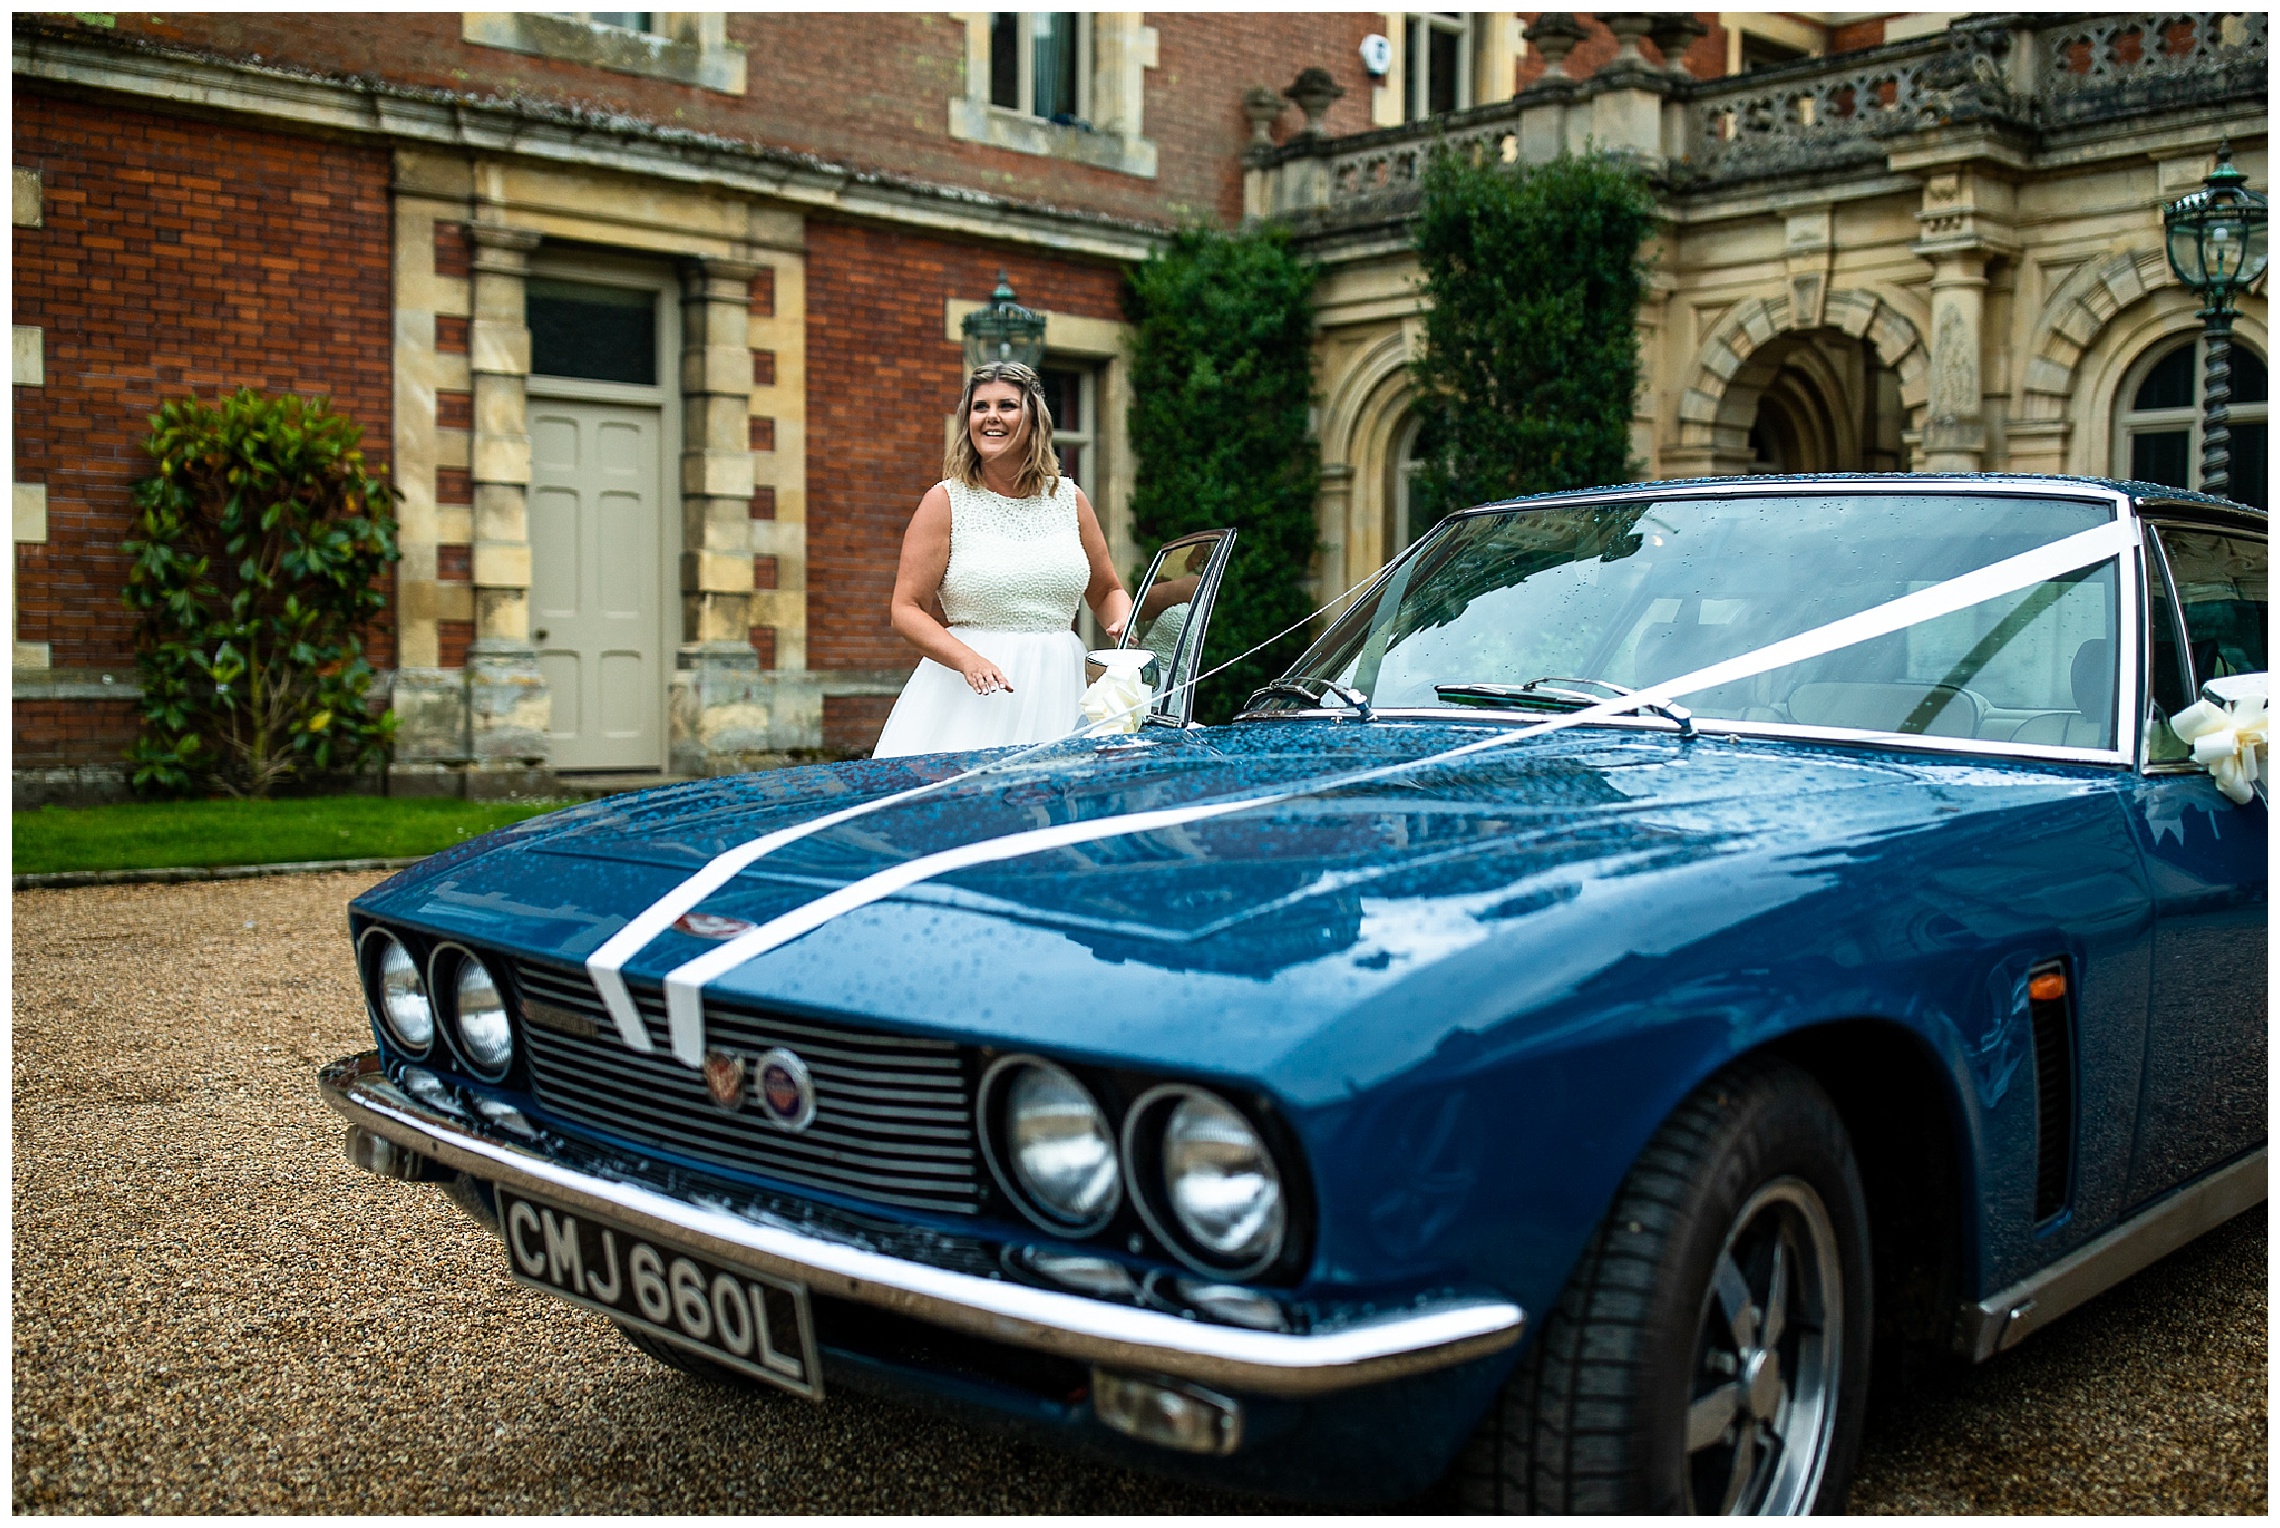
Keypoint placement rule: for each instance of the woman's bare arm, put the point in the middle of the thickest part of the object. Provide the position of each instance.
(1110, 604)
(918, 578)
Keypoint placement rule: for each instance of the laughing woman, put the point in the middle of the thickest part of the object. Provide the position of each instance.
(1010, 547)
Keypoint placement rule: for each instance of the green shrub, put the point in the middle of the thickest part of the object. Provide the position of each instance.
(1221, 382)
(1531, 355)
(257, 550)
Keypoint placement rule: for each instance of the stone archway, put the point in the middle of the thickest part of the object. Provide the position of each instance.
(1363, 416)
(2076, 315)
(1760, 351)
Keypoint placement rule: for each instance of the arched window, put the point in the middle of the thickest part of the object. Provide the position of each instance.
(2157, 419)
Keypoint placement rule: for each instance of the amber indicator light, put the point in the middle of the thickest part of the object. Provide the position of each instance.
(2047, 986)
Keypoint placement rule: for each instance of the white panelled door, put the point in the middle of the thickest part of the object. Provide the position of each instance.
(595, 613)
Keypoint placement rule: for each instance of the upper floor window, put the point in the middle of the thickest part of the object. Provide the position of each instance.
(1439, 49)
(2157, 421)
(1041, 63)
(1067, 84)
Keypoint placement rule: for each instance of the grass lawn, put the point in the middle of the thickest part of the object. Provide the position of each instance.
(159, 835)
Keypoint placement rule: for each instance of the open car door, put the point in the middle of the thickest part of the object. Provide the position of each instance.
(1170, 612)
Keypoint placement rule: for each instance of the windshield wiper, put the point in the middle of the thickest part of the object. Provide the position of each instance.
(1551, 693)
(1353, 699)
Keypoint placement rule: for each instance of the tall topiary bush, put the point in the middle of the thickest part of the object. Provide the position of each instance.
(1221, 382)
(1531, 350)
(258, 546)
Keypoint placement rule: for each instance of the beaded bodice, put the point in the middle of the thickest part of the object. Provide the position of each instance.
(1015, 564)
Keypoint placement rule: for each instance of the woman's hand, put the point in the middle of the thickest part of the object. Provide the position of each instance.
(985, 677)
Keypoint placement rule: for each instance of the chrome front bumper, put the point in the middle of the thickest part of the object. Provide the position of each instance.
(1338, 1357)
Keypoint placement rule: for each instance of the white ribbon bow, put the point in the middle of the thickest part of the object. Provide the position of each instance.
(2229, 741)
(1113, 703)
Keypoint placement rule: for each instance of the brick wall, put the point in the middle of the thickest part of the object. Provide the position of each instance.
(176, 257)
(866, 89)
(51, 733)
(882, 377)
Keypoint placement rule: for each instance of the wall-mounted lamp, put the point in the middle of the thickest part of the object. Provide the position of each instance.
(1004, 331)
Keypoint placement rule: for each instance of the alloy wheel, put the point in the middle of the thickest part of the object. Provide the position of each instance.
(1768, 1354)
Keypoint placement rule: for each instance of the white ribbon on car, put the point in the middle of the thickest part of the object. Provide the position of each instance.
(684, 985)
(2229, 741)
(606, 966)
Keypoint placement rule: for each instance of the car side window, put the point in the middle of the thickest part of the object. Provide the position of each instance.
(2168, 679)
(2220, 582)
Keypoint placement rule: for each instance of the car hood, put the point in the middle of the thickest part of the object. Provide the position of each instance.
(1454, 894)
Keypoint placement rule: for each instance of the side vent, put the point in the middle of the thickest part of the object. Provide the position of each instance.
(2050, 1007)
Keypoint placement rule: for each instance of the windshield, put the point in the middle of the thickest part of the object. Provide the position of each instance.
(1539, 610)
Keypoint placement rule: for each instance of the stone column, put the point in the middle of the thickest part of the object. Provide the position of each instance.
(1965, 223)
(1955, 434)
(720, 713)
(509, 712)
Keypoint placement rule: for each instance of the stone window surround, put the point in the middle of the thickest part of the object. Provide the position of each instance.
(30, 499)
(686, 47)
(1101, 344)
(1123, 50)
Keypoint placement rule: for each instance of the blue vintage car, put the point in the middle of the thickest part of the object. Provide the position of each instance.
(1661, 955)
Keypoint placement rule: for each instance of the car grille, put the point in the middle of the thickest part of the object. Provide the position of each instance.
(894, 1115)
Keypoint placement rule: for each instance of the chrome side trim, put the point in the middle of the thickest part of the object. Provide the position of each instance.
(1275, 1363)
(2001, 1320)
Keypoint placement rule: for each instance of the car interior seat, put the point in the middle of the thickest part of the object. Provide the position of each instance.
(2087, 726)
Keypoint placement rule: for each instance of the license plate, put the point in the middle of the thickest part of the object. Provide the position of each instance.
(748, 1322)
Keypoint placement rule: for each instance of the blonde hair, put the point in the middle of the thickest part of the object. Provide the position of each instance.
(1041, 465)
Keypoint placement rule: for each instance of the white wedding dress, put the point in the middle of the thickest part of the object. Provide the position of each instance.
(1017, 573)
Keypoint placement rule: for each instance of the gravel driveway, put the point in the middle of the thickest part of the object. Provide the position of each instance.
(215, 1313)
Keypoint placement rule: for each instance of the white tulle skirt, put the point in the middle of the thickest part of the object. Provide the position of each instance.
(938, 712)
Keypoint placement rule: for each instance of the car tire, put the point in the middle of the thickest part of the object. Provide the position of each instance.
(695, 1365)
(1657, 1383)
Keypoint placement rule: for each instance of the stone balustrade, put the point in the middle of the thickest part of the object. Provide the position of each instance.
(2030, 72)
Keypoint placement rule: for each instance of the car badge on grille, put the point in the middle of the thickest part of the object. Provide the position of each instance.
(724, 1076)
(787, 1092)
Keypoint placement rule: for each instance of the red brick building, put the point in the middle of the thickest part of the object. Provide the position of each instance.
(654, 317)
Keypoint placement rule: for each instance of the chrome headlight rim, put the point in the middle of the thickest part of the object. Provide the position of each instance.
(445, 964)
(369, 954)
(1143, 1147)
(990, 1120)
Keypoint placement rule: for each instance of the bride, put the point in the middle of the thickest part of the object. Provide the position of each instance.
(1010, 546)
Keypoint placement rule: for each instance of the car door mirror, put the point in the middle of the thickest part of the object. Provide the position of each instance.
(1171, 610)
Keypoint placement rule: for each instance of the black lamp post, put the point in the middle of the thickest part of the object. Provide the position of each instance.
(1004, 331)
(2217, 247)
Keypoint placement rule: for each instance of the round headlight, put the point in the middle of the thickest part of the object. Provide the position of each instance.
(402, 1001)
(479, 1014)
(1060, 1147)
(1221, 1183)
